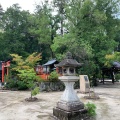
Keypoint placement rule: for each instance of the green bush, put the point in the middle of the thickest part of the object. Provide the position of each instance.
(53, 76)
(11, 84)
(22, 85)
(15, 84)
(91, 109)
(117, 77)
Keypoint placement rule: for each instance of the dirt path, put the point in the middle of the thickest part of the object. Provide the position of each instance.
(14, 107)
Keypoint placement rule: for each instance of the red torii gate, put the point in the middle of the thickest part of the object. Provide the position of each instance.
(4, 69)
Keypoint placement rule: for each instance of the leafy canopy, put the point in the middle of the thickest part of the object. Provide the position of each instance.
(25, 64)
(110, 58)
(25, 70)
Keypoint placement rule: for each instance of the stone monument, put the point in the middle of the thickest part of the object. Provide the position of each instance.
(84, 84)
(69, 107)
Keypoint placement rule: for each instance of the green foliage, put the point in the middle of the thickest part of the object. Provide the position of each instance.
(25, 67)
(93, 37)
(87, 28)
(60, 14)
(27, 75)
(110, 58)
(11, 84)
(21, 85)
(25, 71)
(44, 27)
(91, 109)
(14, 84)
(68, 42)
(27, 63)
(53, 76)
(6, 78)
(35, 91)
(15, 25)
(117, 77)
(32, 86)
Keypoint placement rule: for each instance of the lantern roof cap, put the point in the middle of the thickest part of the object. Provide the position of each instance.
(68, 61)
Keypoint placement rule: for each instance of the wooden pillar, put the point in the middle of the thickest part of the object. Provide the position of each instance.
(46, 73)
(103, 76)
(113, 79)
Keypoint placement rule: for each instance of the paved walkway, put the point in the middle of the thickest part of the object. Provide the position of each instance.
(14, 107)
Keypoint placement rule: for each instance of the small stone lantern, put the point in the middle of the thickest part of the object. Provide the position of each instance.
(69, 107)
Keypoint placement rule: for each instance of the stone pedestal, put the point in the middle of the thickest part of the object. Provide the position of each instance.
(69, 107)
(60, 114)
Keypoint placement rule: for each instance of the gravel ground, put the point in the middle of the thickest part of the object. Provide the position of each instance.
(14, 107)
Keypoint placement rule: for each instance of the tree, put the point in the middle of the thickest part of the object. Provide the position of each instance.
(27, 63)
(11, 23)
(61, 15)
(93, 26)
(25, 72)
(110, 58)
(44, 27)
(68, 42)
(15, 24)
(1, 14)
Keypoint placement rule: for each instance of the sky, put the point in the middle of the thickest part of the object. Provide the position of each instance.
(24, 4)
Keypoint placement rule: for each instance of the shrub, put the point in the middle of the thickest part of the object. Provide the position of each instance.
(11, 84)
(35, 91)
(15, 84)
(91, 109)
(53, 76)
(117, 77)
(22, 85)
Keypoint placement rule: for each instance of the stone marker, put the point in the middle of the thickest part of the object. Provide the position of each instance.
(84, 84)
(69, 107)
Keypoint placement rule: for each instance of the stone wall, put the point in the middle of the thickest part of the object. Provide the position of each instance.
(54, 86)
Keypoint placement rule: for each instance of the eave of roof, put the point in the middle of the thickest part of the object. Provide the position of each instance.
(49, 62)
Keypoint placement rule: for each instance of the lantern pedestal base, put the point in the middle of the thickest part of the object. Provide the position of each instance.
(60, 114)
(70, 106)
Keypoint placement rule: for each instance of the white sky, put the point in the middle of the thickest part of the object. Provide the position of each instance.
(24, 4)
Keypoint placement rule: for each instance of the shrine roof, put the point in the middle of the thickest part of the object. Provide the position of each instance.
(50, 62)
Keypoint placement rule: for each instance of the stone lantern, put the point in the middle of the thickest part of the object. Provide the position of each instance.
(69, 107)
